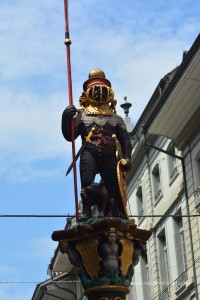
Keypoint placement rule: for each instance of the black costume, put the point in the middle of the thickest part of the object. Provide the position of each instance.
(101, 158)
(99, 153)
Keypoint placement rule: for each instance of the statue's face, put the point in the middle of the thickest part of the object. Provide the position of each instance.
(98, 99)
(112, 237)
(98, 93)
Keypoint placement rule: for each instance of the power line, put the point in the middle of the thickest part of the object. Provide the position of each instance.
(20, 282)
(73, 216)
(38, 282)
(37, 216)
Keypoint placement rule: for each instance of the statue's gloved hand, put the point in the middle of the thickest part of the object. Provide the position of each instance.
(70, 111)
(127, 166)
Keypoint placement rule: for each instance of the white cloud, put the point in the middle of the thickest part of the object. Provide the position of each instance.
(28, 29)
(135, 47)
(31, 136)
(31, 125)
(30, 132)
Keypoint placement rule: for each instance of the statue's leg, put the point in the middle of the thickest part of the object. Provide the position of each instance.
(88, 171)
(111, 207)
(108, 173)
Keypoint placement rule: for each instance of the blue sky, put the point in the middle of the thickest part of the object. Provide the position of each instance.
(135, 42)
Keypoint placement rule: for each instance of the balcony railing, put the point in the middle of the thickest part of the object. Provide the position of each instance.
(181, 280)
(165, 294)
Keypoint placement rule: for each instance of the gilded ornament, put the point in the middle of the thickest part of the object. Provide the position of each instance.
(121, 176)
(126, 256)
(105, 106)
(89, 255)
(97, 73)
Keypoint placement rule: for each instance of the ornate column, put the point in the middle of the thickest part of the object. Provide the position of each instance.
(104, 253)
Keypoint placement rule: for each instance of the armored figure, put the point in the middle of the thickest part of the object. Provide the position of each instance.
(99, 127)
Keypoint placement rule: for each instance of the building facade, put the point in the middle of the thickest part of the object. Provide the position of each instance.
(163, 186)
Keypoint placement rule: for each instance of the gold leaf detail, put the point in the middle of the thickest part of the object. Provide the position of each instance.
(89, 255)
(126, 256)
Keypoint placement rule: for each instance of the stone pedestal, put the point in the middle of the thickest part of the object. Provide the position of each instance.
(104, 252)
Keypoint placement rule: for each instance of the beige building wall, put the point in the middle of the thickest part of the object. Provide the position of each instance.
(167, 200)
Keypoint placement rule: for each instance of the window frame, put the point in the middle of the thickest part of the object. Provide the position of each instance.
(156, 183)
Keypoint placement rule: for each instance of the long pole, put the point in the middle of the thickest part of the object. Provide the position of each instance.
(68, 43)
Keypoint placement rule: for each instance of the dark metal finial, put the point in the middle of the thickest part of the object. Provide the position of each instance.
(126, 106)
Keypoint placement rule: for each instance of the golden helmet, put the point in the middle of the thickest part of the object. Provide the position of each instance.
(98, 96)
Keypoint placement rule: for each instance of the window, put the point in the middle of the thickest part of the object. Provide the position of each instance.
(145, 275)
(197, 169)
(180, 250)
(172, 162)
(163, 260)
(139, 198)
(197, 182)
(156, 183)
